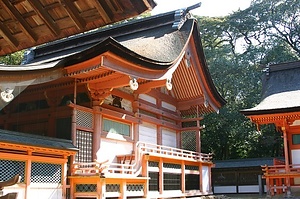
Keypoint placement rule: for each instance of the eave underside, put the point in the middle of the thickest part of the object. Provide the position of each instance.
(29, 23)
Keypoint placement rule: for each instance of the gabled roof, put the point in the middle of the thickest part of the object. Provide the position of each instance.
(243, 163)
(28, 23)
(150, 49)
(281, 90)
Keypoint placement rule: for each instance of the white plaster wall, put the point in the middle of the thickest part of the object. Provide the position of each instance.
(168, 106)
(169, 138)
(248, 189)
(147, 98)
(19, 188)
(205, 179)
(43, 191)
(224, 189)
(109, 149)
(296, 160)
(147, 133)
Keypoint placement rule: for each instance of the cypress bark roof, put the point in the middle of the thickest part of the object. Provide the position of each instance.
(281, 90)
(151, 49)
(36, 140)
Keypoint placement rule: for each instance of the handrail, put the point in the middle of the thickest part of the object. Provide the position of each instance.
(135, 168)
(281, 169)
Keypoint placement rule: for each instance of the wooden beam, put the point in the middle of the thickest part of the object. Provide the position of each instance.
(14, 13)
(73, 14)
(111, 83)
(185, 105)
(146, 87)
(106, 16)
(11, 40)
(156, 111)
(40, 10)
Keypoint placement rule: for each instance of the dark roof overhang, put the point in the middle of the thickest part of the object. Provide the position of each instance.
(13, 137)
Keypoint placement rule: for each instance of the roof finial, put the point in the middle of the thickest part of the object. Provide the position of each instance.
(182, 15)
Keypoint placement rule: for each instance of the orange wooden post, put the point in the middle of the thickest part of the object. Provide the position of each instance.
(145, 173)
(27, 176)
(123, 189)
(272, 186)
(182, 177)
(64, 179)
(97, 129)
(72, 188)
(161, 176)
(200, 177)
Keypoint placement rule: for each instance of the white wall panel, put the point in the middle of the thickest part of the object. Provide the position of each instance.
(169, 138)
(147, 98)
(249, 189)
(205, 179)
(109, 149)
(224, 189)
(147, 133)
(296, 160)
(168, 106)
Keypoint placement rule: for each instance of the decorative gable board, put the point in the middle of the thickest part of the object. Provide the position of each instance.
(147, 133)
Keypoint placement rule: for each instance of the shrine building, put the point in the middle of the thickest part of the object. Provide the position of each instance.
(280, 105)
(110, 113)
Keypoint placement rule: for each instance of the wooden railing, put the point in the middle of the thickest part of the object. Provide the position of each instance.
(278, 177)
(160, 150)
(135, 169)
(279, 170)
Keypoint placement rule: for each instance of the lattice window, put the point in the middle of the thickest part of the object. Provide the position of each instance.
(84, 119)
(112, 188)
(135, 187)
(153, 182)
(45, 173)
(172, 181)
(153, 164)
(189, 167)
(172, 166)
(247, 178)
(84, 144)
(192, 182)
(224, 178)
(10, 168)
(188, 140)
(112, 126)
(86, 187)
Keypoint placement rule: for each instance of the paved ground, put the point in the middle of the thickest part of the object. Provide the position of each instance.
(250, 196)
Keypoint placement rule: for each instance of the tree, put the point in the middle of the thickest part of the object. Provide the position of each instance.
(12, 59)
(236, 49)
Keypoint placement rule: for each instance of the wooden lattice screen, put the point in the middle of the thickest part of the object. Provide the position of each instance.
(188, 140)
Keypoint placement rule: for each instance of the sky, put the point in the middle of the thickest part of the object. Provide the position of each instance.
(212, 8)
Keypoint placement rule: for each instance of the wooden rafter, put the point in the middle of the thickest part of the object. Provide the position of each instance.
(73, 13)
(8, 36)
(40, 10)
(14, 13)
(107, 17)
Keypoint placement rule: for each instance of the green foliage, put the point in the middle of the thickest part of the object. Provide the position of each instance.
(236, 49)
(12, 59)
